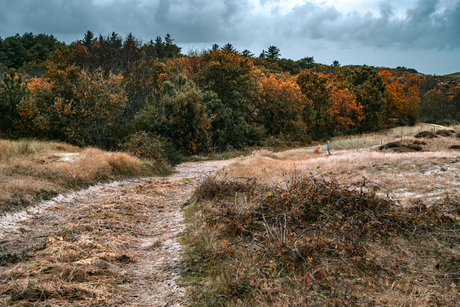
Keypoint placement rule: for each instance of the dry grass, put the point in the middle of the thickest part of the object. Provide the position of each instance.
(32, 170)
(11, 150)
(374, 139)
(235, 254)
(429, 174)
(108, 245)
(314, 242)
(80, 262)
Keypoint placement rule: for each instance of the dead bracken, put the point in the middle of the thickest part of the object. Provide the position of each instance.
(301, 243)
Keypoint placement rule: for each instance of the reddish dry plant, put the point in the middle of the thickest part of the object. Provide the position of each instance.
(316, 242)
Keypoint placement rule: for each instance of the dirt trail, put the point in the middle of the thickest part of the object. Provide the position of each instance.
(112, 244)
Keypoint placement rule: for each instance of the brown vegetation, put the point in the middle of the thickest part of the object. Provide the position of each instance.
(32, 170)
(425, 134)
(314, 241)
(306, 228)
(113, 252)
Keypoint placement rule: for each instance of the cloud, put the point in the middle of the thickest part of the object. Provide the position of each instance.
(423, 25)
(199, 20)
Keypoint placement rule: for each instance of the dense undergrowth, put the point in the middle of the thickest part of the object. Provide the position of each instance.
(33, 170)
(318, 243)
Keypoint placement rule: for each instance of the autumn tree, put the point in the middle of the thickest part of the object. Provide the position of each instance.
(36, 117)
(441, 105)
(346, 111)
(97, 100)
(403, 97)
(74, 105)
(280, 107)
(143, 81)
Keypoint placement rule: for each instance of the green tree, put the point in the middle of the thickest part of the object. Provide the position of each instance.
(370, 92)
(307, 62)
(171, 49)
(12, 90)
(130, 49)
(159, 47)
(247, 53)
(229, 48)
(231, 76)
(180, 115)
(89, 39)
(273, 52)
(316, 115)
(13, 51)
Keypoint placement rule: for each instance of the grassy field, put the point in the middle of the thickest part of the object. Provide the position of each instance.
(33, 170)
(373, 139)
(377, 227)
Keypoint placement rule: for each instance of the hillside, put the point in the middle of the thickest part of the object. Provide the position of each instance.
(113, 93)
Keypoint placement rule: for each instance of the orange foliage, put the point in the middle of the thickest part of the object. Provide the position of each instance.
(345, 110)
(37, 84)
(403, 95)
(188, 66)
(280, 105)
(334, 105)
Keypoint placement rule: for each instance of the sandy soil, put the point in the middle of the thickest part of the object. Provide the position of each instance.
(148, 237)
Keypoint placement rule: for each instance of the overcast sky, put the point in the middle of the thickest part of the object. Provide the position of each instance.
(420, 34)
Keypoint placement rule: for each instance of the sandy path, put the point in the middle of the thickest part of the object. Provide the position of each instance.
(136, 220)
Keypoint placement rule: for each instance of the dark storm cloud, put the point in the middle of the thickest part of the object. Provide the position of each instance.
(59, 17)
(424, 25)
(201, 21)
(186, 20)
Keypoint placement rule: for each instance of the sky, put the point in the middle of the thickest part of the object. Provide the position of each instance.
(420, 34)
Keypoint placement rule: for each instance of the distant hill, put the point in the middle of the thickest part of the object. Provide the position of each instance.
(453, 77)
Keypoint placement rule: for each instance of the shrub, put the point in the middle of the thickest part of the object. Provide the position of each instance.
(252, 245)
(181, 116)
(146, 145)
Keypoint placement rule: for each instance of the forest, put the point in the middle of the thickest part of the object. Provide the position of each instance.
(120, 93)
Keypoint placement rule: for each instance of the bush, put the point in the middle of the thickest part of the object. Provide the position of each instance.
(146, 146)
(295, 245)
(180, 115)
(173, 155)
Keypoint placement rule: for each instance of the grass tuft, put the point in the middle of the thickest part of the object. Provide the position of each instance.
(32, 170)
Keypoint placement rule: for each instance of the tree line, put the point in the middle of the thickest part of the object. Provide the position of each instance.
(105, 91)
